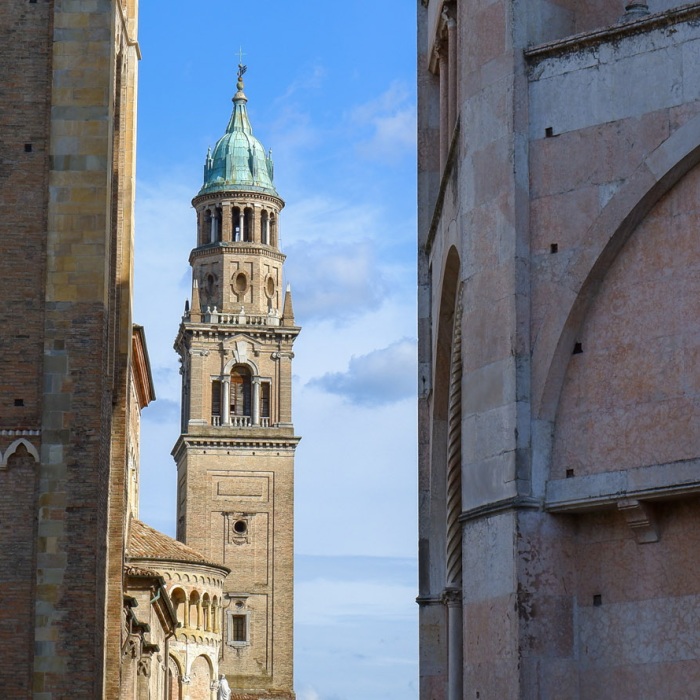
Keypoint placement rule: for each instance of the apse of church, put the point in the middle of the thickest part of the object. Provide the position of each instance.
(235, 456)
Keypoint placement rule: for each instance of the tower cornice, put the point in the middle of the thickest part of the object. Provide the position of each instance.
(261, 439)
(237, 247)
(215, 332)
(228, 195)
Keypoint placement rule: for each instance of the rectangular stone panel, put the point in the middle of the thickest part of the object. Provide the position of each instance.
(242, 487)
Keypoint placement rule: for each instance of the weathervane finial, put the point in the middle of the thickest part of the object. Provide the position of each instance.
(241, 69)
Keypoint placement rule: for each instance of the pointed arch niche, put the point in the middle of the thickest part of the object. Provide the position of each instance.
(631, 392)
(19, 483)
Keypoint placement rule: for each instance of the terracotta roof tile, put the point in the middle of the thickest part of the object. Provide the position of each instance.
(147, 543)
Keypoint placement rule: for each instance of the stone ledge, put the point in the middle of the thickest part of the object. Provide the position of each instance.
(615, 32)
(659, 481)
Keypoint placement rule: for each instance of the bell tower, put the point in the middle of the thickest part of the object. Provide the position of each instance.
(235, 454)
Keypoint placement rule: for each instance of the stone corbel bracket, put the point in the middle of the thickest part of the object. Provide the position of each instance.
(640, 517)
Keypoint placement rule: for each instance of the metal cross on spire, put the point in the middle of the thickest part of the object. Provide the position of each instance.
(241, 68)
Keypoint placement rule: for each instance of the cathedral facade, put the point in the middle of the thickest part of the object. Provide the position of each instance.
(559, 336)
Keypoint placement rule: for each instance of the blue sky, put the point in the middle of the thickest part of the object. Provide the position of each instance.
(331, 91)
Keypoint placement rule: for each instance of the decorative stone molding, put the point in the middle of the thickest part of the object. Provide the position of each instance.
(452, 597)
(13, 448)
(673, 480)
(641, 519)
(424, 600)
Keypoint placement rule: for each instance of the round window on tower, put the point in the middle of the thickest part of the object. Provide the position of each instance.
(240, 282)
(240, 527)
(270, 287)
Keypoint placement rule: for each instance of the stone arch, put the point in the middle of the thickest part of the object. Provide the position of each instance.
(174, 678)
(201, 676)
(233, 362)
(194, 610)
(19, 485)
(654, 177)
(631, 396)
(179, 601)
(206, 612)
(12, 449)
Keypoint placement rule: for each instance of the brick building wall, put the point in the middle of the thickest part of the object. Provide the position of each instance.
(66, 194)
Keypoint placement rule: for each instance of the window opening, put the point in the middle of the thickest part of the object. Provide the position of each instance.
(216, 402)
(239, 628)
(240, 391)
(265, 400)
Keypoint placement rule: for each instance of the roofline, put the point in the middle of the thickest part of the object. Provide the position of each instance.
(189, 562)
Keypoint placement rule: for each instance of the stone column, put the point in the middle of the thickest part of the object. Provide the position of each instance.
(226, 401)
(214, 235)
(256, 400)
(242, 222)
(444, 88)
(453, 601)
(226, 222)
(452, 74)
(200, 226)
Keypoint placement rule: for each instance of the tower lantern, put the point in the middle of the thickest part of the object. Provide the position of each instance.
(235, 456)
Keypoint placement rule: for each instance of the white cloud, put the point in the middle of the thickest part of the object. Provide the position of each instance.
(382, 376)
(334, 280)
(310, 80)
(392, 120)
(324, 601)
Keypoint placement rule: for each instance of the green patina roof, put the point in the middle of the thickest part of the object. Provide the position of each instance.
(239, 161)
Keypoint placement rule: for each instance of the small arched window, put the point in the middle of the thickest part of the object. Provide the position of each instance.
(177, 596)
(248, 225)
(240, 391)
(264, 228)
(237, 223)
(273, 231)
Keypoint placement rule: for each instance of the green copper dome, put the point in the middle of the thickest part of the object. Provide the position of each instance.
(239, 161)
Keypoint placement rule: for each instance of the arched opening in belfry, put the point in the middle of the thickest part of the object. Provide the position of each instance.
(216, 395)
(272, 231)
(237, 233)
(206, 227)
(216, 226)
(264, 227)
(240, 395)
(265, 403)
(248, 224)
